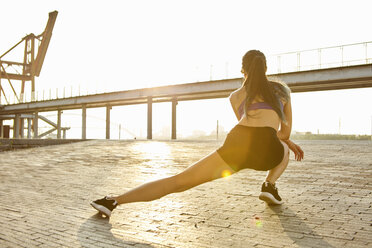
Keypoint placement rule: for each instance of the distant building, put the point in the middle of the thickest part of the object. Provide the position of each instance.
(301, 133)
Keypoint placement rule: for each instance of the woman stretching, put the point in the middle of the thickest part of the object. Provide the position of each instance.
(259, 141)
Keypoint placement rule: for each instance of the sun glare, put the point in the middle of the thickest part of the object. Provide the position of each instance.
(155, 156)
(226, 173)
(153, 149)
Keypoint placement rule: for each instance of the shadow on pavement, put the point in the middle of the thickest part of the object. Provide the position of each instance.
(297, 229)
(96, 231)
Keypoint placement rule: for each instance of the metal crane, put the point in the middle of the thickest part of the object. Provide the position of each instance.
(31, 65)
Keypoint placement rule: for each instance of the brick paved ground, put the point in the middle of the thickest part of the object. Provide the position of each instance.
(45, 194)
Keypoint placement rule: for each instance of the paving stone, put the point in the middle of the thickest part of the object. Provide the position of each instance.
(45, 194)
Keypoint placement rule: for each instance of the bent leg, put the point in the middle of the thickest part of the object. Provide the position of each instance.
(207, 169)
(277, 171)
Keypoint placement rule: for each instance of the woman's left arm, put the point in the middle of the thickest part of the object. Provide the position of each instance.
(234, 100)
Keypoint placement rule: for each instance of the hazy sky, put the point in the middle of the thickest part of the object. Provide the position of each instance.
(118, 45)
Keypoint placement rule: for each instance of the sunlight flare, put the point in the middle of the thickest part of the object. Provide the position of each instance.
(257, 222)
(226, 173)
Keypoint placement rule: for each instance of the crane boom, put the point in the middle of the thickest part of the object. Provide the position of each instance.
(31, 66)
(46, 35)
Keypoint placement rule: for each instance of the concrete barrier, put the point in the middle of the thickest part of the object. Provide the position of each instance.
(12, 144)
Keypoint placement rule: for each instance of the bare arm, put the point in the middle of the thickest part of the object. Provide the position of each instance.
(236, 98)
(285, 132)
(285, 128)
(296, 149)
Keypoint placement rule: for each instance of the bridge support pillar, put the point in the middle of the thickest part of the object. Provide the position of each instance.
(174, 118)
(1, 129)
(108, 108)
(36, 126)
(29, 125)
(149, 118)
(22, 128)
(59, 124)
(84, 122)
(16, 126)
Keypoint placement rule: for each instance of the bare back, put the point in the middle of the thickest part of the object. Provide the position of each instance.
(257, 117)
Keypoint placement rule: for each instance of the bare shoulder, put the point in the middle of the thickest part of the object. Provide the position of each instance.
(239, 93)
(282, 90)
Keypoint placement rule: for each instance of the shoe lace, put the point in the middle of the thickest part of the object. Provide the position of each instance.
(272, 185)
(276, 192)
(275, 188)
(114, 201)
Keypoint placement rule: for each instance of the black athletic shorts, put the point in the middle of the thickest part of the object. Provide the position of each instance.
(257, 148)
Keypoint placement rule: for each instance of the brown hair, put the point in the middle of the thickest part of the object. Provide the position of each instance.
(257, 84)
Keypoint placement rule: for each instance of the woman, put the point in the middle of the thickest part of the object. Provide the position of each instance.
(256, 142)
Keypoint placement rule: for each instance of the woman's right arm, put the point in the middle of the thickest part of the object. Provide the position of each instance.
(296, 149)
(285, 132)
(285, 128)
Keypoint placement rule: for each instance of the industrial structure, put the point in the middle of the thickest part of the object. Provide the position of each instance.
(324, 79)
(344, 76)
(33, 60)
(35, 49)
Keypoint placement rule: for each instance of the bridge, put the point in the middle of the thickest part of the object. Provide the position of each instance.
(329, 68)
(347, 77)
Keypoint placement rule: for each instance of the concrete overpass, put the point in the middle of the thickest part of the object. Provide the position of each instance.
(358, 76)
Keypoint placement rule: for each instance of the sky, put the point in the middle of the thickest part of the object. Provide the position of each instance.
(102, 46)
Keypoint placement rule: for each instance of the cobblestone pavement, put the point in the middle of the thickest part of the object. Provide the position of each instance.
(45, 194)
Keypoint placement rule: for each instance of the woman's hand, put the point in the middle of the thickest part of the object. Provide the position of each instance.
(296, 149)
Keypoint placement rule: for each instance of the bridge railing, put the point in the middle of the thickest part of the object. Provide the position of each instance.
(320, 58)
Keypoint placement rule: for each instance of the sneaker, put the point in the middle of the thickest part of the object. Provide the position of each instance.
(269, 194)
(104, 205)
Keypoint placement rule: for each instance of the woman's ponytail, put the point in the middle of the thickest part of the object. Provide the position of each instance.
(256, 82)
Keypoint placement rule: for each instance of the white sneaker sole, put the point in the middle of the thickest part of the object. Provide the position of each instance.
(101, 209)
(269, 198)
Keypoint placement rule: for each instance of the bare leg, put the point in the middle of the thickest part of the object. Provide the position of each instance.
(207, 169)
(276, 172)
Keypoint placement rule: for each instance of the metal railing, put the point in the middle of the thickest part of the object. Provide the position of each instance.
(320, 58)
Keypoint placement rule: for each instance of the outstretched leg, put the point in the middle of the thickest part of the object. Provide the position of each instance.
(207, 169)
